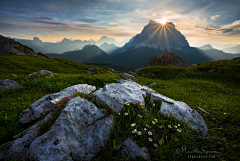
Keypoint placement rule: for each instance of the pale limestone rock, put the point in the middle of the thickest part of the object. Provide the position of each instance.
(6, 84)
(132, 149)
(13, 75)
(19, 149)
(34, 73)
(182, 112)
(77, 134)
(128, 77)
(134, 86)
(115, 95)
(46, 103)
(45, 72)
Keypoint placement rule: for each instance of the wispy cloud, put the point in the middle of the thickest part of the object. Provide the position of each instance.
(46, 20)
(12, 33)
(214, 17)
(49, 22)
(87, 20)
(112, 24)
(231, 29)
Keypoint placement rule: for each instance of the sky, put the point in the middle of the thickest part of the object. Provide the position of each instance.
(215, 22)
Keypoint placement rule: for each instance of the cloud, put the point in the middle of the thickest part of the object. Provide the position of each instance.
(229, 30)
(44, 18)
(234, 25)
(35, 34)
(210, 27)
(214, 17)
(112, 24)
(87, 20)
(12, 33)
(49, 23)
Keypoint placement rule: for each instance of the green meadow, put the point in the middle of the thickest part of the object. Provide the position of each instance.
(216, 92)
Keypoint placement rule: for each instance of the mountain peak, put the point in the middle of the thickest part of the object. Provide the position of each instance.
(206, 47)
(168, 24)
(65, 40)
(36, 40)
(152, 22)
(156, 35)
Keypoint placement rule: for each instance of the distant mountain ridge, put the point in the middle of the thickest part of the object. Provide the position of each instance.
(235, 49)
(109, 48)
(65, 45)
(206, 47)
(89, 54)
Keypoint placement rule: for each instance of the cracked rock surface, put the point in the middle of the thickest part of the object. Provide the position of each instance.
(77, 134)
(46, 103)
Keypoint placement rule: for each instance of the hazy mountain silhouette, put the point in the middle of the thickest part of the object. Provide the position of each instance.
(109, 48)
(89, 54)
(206, 47)
(235, 49)
(65, 45)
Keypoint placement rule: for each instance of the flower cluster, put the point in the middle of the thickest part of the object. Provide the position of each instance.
(61, 104)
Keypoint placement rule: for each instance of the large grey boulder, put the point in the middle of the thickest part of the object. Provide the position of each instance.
(128, 77)
(19, 149)
(115, 95)
(131, 148)
(6, 84)
(77, 134)
(43, 72)
(181, 112)
(46, 103)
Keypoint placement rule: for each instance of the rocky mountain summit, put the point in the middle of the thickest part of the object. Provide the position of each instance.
(158, 36)
(11, 47)
(206, 47)
(108, 48)
(82, 128)
(167, 59)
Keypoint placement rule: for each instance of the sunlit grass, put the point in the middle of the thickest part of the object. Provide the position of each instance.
(217, 93)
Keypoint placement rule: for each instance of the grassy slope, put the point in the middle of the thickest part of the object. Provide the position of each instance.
(24, 65)
(217, 93)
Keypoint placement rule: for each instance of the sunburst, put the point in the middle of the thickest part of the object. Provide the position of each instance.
(162, 21)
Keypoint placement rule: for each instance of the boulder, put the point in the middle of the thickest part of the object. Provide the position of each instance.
(82, 128)
(115, 95)
(152, 84)
(182, 112)
(128, 77)
(45, 72)
(211, 71)
(132, 149)
(167, 59)
(77, 134)
(34, 73)
(13, 75)
(46, 103)
(19, 149)
(6, 84)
